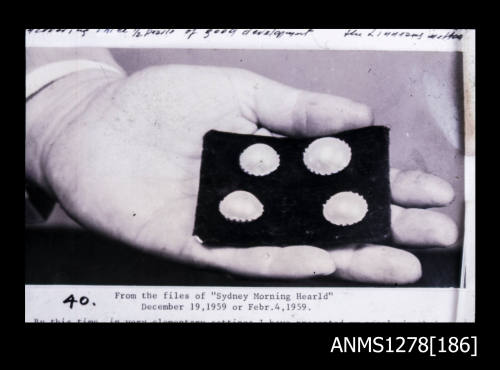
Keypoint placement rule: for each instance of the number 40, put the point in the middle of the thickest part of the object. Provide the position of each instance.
(71, 300)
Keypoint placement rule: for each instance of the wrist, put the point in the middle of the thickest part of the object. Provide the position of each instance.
(52, 108)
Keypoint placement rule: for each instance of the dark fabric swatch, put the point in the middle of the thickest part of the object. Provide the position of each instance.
(292, 196)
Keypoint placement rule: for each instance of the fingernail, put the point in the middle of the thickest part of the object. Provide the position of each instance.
(439, 229)
(447, 235)
(363, 114)
(443, 192)
(325, 265)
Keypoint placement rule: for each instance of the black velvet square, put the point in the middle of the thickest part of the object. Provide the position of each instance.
(292, 196)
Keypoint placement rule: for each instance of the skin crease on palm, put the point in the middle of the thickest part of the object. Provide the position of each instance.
(126, 163)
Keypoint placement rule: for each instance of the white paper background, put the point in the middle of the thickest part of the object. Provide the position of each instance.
(347, 304)
(44, 303)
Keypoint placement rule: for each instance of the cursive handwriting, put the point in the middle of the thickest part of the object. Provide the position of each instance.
(187, 34)
(405, 34)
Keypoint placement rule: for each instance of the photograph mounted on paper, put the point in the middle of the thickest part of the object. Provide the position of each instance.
(244, 167)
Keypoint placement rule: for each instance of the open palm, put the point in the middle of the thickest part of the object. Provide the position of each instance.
(128, 166)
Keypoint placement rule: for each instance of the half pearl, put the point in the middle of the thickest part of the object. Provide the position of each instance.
(345, 208)
(241, 206)
(259, 160)
(327, 155)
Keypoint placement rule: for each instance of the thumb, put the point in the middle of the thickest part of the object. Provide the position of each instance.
(296, 112)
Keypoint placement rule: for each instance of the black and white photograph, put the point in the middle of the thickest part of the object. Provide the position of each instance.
(238, 167)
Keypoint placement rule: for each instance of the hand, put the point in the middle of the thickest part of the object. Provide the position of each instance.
(410, 226)
(127, 164)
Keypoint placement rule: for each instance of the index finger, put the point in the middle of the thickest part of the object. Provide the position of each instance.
(419, 189)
